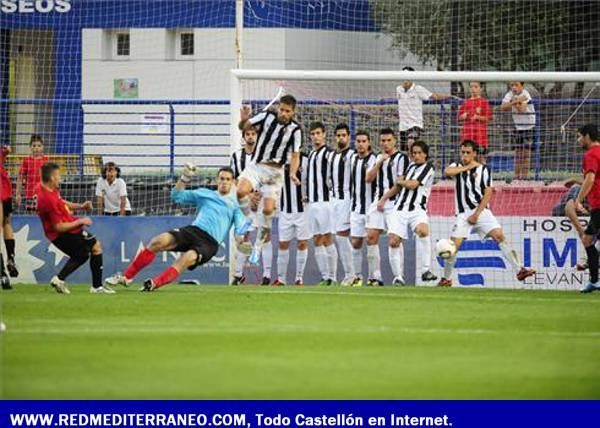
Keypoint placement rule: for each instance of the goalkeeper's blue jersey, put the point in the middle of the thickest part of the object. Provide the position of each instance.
(215, 213)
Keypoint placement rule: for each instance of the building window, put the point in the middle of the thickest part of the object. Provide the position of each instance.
(187, 43)
(123, 44)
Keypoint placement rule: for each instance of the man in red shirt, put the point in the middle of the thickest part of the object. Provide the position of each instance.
(67, 232)
(587, 136)
(7, 207)
(4, 281)
(475, 113)
(29, 173)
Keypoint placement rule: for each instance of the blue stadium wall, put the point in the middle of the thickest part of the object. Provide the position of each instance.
(109, 14)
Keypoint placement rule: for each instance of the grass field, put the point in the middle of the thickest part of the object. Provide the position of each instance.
(253, 342)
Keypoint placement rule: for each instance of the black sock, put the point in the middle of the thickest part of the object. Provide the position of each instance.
(96, 267)
(10, 248)
(592, 255)
(70, 267)
(2, 271)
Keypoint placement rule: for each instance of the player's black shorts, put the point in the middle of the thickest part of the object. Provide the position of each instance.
(593, 227)
(194, 238)
(522, 139)
(75, 245)
(413, 134)
(117, 213)
(7, 207)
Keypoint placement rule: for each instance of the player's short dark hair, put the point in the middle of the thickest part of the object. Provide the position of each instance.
(422, 145)
(407, 68)
(226, 169)
(109, 165)
(341, 126)
(36, 138)
(387, 131)
(289, 100)
(590, 130)
(472, 144)
(247, 127)
(316, 125)
(363, 132)
(47, 170)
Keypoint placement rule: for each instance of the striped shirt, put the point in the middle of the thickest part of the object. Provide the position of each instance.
(317, 175)
(470, 187)
(362, 192)
(392, 167)
(275, 142)
(341, 173)
(291, 195)
(240, 159)
(410, 200)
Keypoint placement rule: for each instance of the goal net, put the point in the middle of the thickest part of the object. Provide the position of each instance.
(533, 154)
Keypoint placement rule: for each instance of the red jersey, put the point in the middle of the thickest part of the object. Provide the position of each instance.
(591, 163)
(474, 129)
(53, 210)
(5, 184)
(30, 172)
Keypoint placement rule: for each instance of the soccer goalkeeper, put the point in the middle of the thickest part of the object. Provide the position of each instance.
(217, 212)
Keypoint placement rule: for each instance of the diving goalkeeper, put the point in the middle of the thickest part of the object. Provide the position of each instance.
(217, 212)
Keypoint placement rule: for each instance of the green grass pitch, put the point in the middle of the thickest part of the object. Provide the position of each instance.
(299, 342)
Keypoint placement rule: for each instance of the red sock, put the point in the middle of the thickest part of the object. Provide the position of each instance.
(143, 259)
(167, 277)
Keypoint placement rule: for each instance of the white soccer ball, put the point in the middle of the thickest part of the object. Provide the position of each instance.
(2, 326)
(445, 248)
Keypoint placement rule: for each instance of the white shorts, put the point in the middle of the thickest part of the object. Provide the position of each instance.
(340, 212)
(401, 220)
(358, 223)
(380, 220)
(319, 218)
(293, 225)
(485, 224)
(265, 179)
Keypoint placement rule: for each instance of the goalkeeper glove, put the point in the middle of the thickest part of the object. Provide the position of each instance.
(189, 170)
(243, 246)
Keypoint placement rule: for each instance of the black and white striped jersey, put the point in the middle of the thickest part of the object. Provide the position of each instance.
(291, 195)
(410, 200)
(240, 159)
(363, 193)
(470, 187)
(318, 175)
(341, 173)
(391, 168)
(275, 142)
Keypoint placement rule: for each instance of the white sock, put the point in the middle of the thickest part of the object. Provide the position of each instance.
(357, 257)
(283, 258)
(423, 249)
(397, 261)
(240, 261)
(448, 266)
(265, 223)
(301, 256)
(267, 258)
(332, 261)
(510, 255)
(374, 261)
(322, 262)
(345, 253)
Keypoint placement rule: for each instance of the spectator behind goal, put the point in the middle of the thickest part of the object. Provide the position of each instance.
(111, 192)
(30, 173)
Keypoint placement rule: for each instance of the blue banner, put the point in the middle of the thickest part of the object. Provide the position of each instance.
(258, 414)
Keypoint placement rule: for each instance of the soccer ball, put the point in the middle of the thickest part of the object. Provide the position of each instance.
(445, 248)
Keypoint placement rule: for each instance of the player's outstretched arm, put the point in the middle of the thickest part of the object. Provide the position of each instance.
(64, 227)
(453, 170)
(294, 165)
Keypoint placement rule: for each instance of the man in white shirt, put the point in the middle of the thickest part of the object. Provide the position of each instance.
(410, 110)
(111, 192)
(518, 100)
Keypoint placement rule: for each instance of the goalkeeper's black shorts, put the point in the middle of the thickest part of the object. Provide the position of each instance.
(193, 238)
